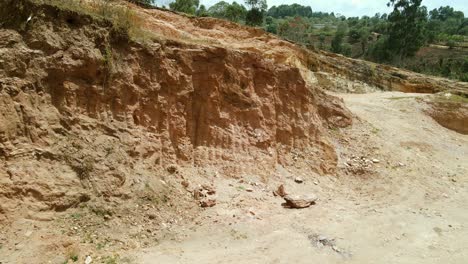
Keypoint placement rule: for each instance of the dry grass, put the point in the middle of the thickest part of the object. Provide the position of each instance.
(124, 20)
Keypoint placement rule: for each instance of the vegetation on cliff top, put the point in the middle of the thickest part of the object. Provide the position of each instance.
(394, 38)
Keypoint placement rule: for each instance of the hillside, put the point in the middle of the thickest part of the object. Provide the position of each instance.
(122, 127)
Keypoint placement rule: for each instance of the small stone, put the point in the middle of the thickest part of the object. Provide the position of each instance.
(280, 191)
(107, 217)
(336, 249)
(299, 180)
(210, 190)
(197, 194)
(185, 183)
(249, 189)
(88, 260)
(375, 160)
(151, 216)
(208, 203)
(172, 168)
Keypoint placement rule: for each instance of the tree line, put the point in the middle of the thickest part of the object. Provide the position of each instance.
(386, 38)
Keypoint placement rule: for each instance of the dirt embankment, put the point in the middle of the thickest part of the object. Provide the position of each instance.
(92, 119)
(95, 114)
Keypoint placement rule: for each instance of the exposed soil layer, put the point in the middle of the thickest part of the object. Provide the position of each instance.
(450, 113)
(106, 141)
(87, 112)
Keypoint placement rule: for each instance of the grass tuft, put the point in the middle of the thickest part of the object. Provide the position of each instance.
(124, 20)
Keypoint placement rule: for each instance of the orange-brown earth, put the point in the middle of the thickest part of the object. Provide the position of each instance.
(102, 135)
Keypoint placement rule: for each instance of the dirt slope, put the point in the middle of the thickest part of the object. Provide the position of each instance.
(106, 140)
(411, 207)
(97, 127)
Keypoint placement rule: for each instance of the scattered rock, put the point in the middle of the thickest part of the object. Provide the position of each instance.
(208, 203)
(375, 160)
(88, 260)
(298, 201)
(210, 190)
(107, 217)
(172, 168)
(197, 194)
(151, 216)
(249, 189)
(280, 191)
(299, 180)
(28, 233)
(185, 183)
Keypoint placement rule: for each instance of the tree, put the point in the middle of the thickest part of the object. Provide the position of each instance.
(321, 40)
(185, 6)
(254, 16)
(290, 11)
(295, 29)
(271, 25)
(337, 41)
(201, 11)
(218, 10)
(233, 12)
(406, 33)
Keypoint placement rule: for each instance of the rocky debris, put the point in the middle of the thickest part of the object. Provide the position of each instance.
(299, 180)
(185, 184)
(197, 194)
(210, 190)
(208, 203)
(172, 169)
(248, 189)
(280, 191)
(360, 164)
(299, 201)
(203, 191)
(321, 241)
(88, 260)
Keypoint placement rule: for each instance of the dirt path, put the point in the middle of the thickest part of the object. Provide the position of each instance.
(410, 206)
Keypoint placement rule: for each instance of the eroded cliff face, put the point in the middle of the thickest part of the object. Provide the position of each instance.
(88, 113)
(339, 73)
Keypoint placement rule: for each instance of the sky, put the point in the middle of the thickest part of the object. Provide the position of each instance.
(352, 7)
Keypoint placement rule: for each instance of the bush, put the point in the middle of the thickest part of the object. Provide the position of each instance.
(451, 43)
(123, 20)
(254, 17)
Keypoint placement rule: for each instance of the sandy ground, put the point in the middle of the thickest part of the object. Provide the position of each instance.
(410, 206)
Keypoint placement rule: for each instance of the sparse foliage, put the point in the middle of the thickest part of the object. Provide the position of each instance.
(254, 16)
(185, 6)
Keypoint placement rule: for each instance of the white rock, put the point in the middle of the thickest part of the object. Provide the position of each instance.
(299, 180)
(88, 260)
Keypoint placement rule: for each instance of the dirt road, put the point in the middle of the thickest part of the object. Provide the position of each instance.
(410, 205)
